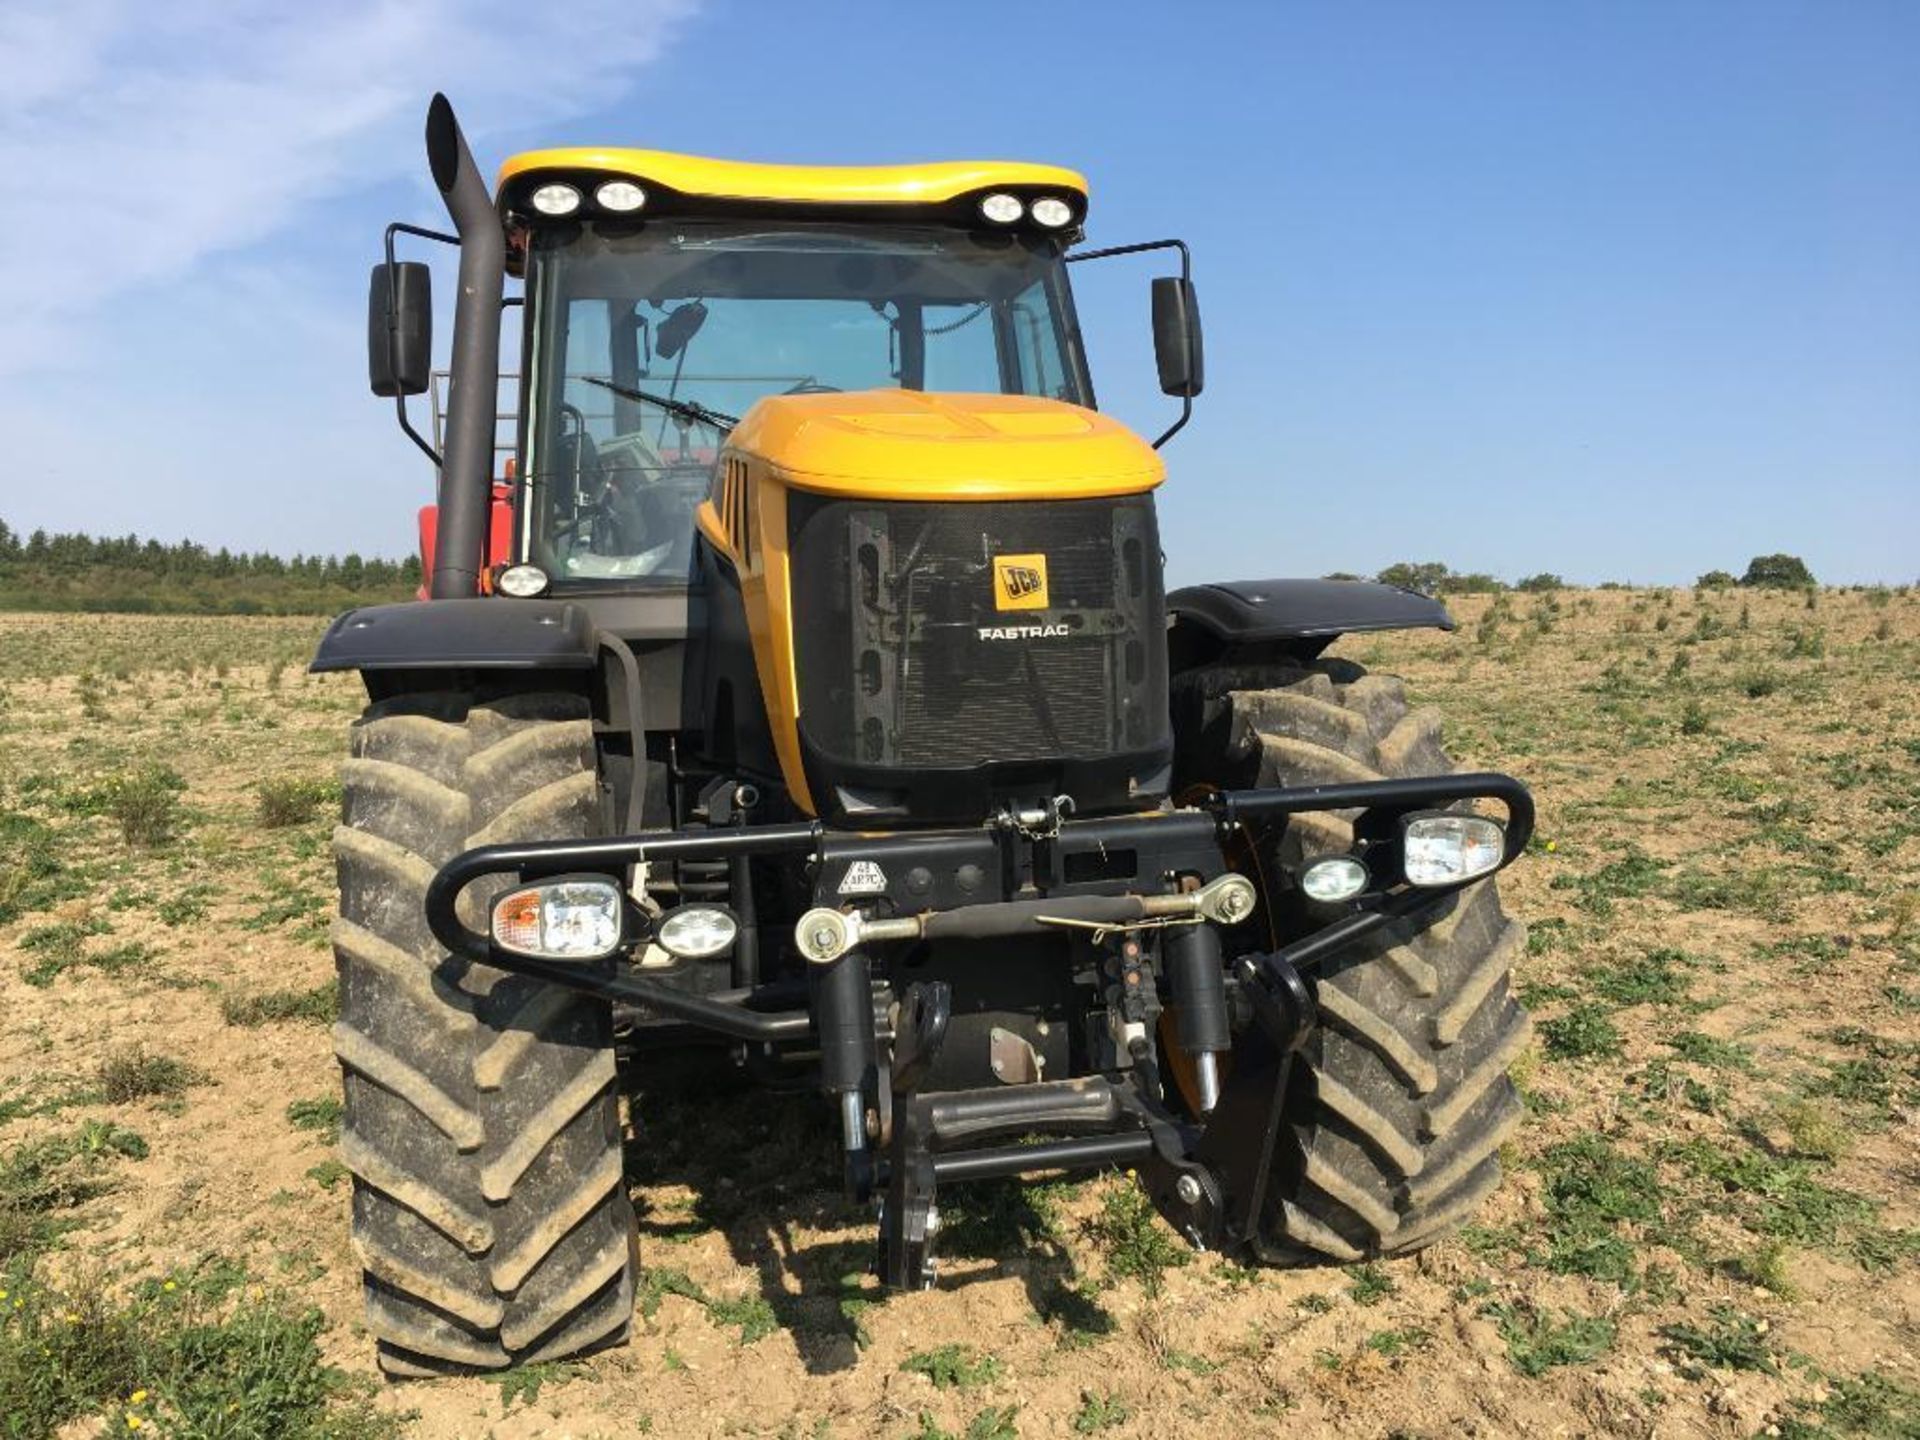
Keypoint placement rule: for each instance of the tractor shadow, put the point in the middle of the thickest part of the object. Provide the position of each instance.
(763, 1170)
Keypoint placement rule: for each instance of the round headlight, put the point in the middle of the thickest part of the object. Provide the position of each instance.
(1052, 212)
(693, 932)
(522, 582)
(556, 199)
(1334, 878)
(1002, 208)
(620, 196)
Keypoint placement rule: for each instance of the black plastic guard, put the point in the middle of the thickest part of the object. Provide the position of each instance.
(1239, 612)
(482, 633)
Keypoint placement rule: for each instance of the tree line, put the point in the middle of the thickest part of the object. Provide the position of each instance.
(1430, 577)
(77, 571)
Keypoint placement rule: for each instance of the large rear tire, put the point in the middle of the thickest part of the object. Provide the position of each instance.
(1398, 1114)
(490, 1213)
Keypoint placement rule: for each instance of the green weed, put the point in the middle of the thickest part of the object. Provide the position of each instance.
(1872, 1406)
(320, 1005)
(954, 1367)
(1716, 1054)
(1370, 1286)
(55, 1173)
(660, 1281)
(1585, 1032)
(1657, 977)
(130, 1073)
(320, 1115)
(1099, 1412)
(1729, 1341)
(1775, 1197)
(144, 803)
(32, 874)
(1394, 1343)
(1134, 1239)
(1633, 875)
(328, 1173)
(186, 1355)
(526, 1383)
(752, 1313)
(185, 906)
(1592, 1189)
(1816, 1130)
(292, 800)
(1536, 1343)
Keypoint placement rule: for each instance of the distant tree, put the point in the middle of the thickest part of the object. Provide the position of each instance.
(1545, 580)
(1477, 583)
(1778, 572)
(1716, 580)
(1342, 575)
(1424, 577)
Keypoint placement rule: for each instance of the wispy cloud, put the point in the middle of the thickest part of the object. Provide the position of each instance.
(138, 139)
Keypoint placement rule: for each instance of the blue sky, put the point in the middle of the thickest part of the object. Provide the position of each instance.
(1619, 290)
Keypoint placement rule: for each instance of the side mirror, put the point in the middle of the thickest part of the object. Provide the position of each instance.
(1176, 337)
(683, 322)
(400, 328)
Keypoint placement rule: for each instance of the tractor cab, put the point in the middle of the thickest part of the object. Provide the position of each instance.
(666, 295)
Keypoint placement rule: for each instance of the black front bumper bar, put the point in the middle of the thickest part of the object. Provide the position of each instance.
(1203, 826)
(1210, 1180)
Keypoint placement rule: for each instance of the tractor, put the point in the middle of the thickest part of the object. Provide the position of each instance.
(795, 693)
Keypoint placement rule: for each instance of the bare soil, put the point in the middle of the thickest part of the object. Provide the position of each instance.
(1709, 1225)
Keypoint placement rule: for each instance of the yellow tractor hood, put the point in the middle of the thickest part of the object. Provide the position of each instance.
(909, 445)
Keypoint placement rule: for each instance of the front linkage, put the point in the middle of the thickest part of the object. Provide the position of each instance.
(1126, 883)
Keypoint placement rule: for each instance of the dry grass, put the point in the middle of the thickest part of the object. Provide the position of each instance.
(1709, 1226)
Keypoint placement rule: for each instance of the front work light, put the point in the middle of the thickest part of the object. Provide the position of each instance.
(694, 932)
(1052, 212)
(620, 196)
(522, 582)
(1333, 878)
(556, 200)
(1002, 208)
(1446, 849)
(560, 920)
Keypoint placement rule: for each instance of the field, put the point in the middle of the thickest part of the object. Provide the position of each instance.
(1711, 1226)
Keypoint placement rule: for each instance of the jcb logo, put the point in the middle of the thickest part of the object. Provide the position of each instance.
(1020, 582)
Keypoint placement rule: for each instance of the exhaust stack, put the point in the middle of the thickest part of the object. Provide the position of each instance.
(466, 464)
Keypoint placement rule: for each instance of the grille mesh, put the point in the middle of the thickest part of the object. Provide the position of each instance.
(891, 601)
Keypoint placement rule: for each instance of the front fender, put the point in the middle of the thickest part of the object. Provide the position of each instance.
(483, 633)
(1297, 618)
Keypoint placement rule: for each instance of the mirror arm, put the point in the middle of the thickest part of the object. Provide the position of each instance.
(1186, 276)
(393, 329)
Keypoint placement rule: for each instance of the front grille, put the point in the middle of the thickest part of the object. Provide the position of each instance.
(908, 657)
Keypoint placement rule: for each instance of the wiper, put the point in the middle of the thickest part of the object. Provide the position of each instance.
(692, 409)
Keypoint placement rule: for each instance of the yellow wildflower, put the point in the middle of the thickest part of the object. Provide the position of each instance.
(139, 1397)
(134, 1422)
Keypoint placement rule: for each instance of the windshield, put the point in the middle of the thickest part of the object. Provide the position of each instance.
(649, 341)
